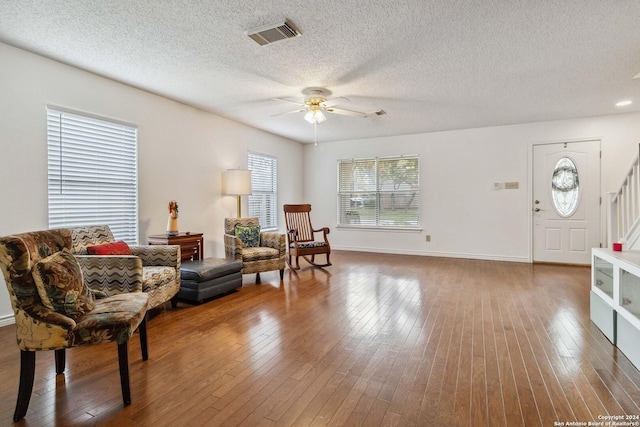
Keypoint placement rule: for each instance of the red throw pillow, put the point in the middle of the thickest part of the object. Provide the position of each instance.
(116, 248)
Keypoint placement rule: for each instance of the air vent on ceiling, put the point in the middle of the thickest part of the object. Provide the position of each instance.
(273, 32)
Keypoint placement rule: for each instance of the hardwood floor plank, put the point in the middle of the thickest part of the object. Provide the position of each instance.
(493, 377)
(462, 405)
(373, 340)
(479, 410)
(522, 389)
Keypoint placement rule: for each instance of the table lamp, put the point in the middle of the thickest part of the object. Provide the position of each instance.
(236, 182)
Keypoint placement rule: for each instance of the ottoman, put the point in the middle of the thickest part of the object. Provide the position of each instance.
(209, 277)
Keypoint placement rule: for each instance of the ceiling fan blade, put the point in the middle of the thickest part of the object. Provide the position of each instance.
(335, 101)
(344, 112)
(290, 101)
(301, 110)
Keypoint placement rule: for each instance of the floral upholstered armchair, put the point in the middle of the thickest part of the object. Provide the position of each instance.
(258, 251)
(154, 269)
(55, 310)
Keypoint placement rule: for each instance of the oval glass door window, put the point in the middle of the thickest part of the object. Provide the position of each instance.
(565, 187)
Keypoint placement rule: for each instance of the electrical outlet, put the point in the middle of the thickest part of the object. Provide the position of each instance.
(427, 237)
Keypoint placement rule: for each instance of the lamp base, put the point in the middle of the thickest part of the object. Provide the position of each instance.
(239, 205)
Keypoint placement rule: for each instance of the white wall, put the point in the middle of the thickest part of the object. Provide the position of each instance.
(182, 151)
(459, 209)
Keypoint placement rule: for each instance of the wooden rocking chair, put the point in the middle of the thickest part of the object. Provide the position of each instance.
(300, 236)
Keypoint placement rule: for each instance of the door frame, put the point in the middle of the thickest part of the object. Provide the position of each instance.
(603, 201)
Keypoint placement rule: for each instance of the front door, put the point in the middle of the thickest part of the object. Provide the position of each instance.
(566, 201)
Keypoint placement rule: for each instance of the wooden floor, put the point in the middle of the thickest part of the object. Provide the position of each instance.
(372, 340)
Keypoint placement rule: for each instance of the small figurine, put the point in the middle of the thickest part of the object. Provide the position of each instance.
(172, 224)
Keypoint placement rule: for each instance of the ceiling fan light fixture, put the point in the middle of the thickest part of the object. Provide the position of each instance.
(315, 116)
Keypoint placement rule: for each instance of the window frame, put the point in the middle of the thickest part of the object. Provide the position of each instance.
(257, 193)
(374, 183)
(92, 172)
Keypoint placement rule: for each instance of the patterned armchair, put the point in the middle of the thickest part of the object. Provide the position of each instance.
(154, 269)
(55, 310)
(264, 252)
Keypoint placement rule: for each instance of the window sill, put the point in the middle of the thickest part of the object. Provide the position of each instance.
(393, 229)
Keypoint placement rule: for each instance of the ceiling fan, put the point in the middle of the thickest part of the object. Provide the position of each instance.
(316, 104)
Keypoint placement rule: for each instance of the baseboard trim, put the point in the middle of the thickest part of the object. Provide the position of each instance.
(483, 257)
(7, 320)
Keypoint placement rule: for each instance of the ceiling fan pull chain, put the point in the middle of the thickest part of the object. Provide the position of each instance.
(315, 134)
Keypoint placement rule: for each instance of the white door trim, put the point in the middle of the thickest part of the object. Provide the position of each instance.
(530, 186)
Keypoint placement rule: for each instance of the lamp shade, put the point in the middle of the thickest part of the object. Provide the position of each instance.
(236, 182)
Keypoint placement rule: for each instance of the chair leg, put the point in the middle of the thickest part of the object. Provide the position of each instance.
(281, 274)
(289, 263)
(257, 278)
(60, 361)
(142, 330)
(27, 373)
(174, 301)
(123, 361)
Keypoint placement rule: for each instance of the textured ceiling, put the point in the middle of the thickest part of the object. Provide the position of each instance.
(431, 65)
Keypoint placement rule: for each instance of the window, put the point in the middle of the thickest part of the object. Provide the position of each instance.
(263, 201)
(92, 173)
(565, 187)
(379, 192)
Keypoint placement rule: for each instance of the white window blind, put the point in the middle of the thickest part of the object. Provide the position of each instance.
(92, 173)
(379, 192)
(263, 201)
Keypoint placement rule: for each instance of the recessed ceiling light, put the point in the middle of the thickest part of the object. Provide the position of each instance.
(623, 103)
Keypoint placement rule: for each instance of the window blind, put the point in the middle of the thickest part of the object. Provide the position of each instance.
(92, 173)
(379, 192)
(263, 201)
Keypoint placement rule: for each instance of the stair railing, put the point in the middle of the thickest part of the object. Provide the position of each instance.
(623, 211)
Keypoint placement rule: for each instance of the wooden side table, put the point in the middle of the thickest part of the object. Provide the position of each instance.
(191, 244)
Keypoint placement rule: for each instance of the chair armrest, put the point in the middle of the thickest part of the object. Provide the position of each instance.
(292, 235)
(43, 314)
(325, 231)
(40, 328)
(158, 255)
(98, 294)
(232, 247)
(112, 274)
(274, 240)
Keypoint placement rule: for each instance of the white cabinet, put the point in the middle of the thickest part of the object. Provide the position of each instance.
(615, 299)
(603, 278)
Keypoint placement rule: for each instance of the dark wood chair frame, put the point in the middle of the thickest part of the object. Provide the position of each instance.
(299, 232)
